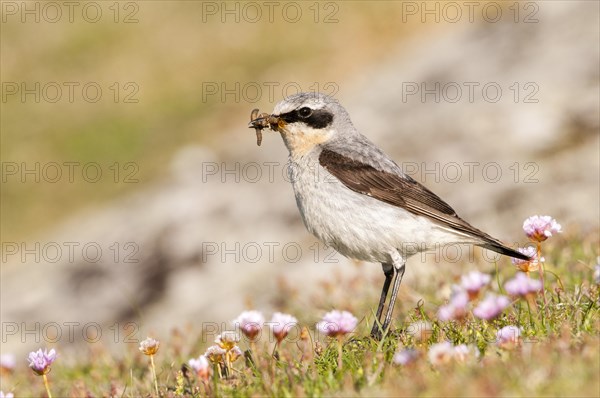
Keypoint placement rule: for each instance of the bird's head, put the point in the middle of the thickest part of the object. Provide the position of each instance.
(305, 120)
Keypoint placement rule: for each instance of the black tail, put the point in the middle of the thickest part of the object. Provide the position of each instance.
(507, 251)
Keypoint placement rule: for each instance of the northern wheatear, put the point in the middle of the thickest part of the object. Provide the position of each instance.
(356, 199)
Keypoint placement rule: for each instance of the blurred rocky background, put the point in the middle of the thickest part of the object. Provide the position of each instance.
(152, 203)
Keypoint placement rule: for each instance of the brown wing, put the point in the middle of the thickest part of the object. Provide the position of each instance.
(396, 190)
(404, 192)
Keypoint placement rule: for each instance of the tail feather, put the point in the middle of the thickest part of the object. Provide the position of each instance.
(507, 251)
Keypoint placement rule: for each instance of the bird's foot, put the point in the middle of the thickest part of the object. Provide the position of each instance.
(378, 332)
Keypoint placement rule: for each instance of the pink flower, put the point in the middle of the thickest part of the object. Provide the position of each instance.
(420, 330)
(528, 265)
(491, 306)
(7, 395)
(337, 323)
(463, 352)
(444, 352)
(405, 357)
(201, 366)
(281, 324)
(540, 228)
(40, 362)
(473, 282)
(215, 353)
(235, 353)
(227, 339)
(441, 353)
(250, 323)
(522, 285)
(149, 346)
(456, 309)
(508, 336)
(8, 362)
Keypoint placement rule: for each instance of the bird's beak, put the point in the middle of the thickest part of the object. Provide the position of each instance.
(269, 121)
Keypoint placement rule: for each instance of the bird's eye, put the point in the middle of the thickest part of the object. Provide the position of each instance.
(305, 112)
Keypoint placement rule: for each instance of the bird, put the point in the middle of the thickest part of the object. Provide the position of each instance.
(355, 198)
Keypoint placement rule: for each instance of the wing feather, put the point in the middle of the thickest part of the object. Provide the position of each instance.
(397, 190)
(402, 191)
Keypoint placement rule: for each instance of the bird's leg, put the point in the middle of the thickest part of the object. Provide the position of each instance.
(397, 281)
(388, 271)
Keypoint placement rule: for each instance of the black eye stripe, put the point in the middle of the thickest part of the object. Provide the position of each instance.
(319, 119)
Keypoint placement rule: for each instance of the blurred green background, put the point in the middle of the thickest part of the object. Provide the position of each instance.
(152, 61)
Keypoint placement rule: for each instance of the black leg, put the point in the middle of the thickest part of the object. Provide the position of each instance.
(388, 271)
(390, 309)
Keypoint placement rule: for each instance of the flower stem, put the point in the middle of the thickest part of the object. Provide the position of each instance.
(227, 364)
(47, 386)
(275, 353)
(531, 322)
(153, 368)
(253, 347)
(539, 256)
(340, 349)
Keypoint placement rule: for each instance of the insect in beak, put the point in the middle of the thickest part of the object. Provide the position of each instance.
(260, 122)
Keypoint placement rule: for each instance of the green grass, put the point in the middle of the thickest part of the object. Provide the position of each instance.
(559, 353)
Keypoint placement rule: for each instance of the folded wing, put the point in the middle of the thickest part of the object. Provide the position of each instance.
(404, 192)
